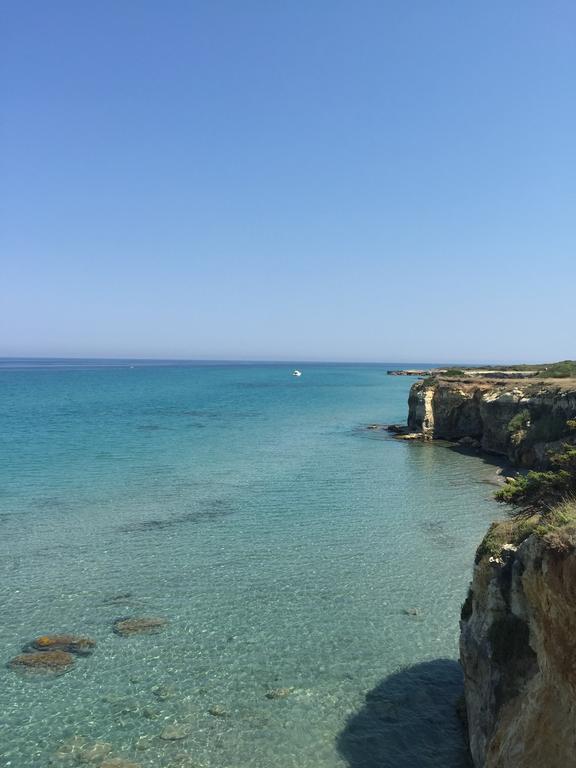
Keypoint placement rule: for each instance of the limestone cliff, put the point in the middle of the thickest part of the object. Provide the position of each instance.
(518, 652)
(522, 419)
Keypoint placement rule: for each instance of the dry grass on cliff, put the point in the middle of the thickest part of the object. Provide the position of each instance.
(555, 526)
(558, 526)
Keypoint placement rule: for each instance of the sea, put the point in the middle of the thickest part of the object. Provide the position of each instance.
(310, 570)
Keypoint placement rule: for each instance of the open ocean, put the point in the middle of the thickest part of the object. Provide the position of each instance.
(287, 546)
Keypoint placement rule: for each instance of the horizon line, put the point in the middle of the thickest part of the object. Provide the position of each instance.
(252, 361)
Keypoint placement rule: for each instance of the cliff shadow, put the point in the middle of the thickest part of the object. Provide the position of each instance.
(501, 464)
(409, 720)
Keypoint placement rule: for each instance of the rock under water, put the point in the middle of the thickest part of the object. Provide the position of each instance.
(42, 663)
(82, 646)
(139, 626)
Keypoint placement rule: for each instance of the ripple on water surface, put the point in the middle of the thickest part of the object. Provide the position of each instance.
(310, 575)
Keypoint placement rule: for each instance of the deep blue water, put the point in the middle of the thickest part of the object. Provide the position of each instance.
(286, 544)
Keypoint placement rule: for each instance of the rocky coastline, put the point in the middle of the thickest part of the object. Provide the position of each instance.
(522, 420)
(518, 623)
(517, 651)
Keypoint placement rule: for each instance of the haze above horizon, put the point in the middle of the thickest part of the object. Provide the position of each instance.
(352, 181)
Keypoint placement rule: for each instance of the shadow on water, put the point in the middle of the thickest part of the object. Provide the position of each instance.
(409, 721)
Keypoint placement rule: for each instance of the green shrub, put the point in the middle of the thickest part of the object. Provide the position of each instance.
(519, 422)
(562, 370)
(538, 491)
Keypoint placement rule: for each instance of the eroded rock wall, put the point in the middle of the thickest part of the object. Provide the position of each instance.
(518, 653)
(486, 410)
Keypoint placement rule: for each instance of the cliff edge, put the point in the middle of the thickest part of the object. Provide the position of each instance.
(522, 420)
(518, 645)
(518, 623)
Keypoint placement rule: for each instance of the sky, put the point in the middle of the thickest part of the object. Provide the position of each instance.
(363, 180)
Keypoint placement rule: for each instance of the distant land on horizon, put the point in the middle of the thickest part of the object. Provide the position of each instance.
(48, 361)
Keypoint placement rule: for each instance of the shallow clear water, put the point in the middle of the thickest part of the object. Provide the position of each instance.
(284, 543)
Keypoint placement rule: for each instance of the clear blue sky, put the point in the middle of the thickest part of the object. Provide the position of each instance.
(313, 179)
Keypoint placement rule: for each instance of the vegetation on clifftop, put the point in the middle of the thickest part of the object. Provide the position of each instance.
(538, 491)
(556, 526)
(545, 505)
(563, 370)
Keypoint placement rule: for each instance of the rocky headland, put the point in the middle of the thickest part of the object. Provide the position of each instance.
(518, 623)
(522, 419)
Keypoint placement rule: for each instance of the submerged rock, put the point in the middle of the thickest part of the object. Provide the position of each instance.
(278, 693)
(150, 713)
(127, 627)
(184, 761)
(82, 646)
(162, 692)
(217, 711)
(42, 663)
(124, 705)
(69, 750)
(119, 762)
(95, 752)
(143, 743)
(121, 598)
(175, 732)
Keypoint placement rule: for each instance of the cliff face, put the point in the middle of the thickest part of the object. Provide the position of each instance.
(518, 624)
(522, 420)
(518, 652)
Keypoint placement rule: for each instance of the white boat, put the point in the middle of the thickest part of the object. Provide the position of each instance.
(296, 373)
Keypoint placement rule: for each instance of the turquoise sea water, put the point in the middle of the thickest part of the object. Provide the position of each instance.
(287, 546)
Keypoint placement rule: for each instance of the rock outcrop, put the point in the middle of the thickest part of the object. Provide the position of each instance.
(522, 420)
(127, 627)
(518, 653)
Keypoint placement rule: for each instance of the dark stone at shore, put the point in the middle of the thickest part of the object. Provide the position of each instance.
(397, 429)
(126, 627)
(470, 442)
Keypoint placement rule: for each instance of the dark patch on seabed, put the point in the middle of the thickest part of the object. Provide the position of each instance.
(409, 721)
(437, 534)
(216, 510)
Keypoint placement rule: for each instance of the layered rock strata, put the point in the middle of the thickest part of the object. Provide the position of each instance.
(522, 420)
(518, 653)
